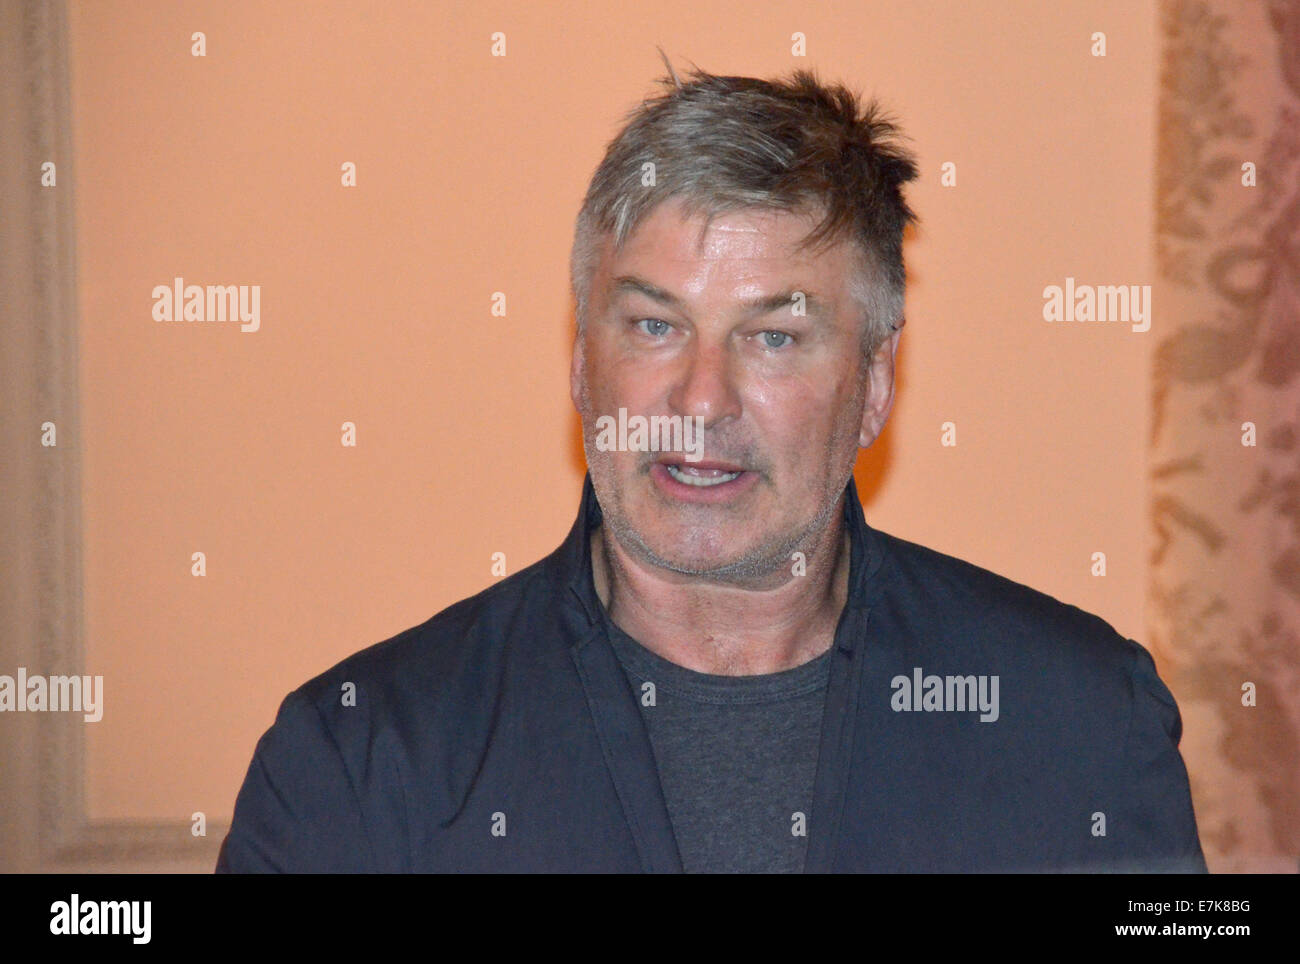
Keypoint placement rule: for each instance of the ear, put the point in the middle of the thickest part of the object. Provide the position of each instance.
(577, 371)
(880, 388)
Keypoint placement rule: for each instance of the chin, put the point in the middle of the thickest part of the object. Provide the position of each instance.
(717, 553)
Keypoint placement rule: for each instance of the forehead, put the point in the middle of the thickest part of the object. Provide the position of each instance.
(752, 244)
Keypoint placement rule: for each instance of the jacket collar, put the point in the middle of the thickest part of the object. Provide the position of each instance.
(624, 740)
(573, 558)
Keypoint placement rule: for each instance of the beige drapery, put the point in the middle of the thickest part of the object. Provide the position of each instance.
(1225, 568)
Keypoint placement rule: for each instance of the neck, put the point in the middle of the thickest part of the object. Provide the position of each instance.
(721, 628)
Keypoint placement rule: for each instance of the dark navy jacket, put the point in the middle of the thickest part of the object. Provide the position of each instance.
(503, 735)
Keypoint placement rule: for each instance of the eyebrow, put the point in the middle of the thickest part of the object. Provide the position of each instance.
(762, 305)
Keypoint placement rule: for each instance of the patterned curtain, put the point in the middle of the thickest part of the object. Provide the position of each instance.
(1225, 444)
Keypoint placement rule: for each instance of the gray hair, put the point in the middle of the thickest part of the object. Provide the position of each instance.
(721, 144)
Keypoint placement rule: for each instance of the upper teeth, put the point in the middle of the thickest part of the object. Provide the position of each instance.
(691, 477)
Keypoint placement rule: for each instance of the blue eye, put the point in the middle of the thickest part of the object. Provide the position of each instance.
(768, 341)
(657, 328)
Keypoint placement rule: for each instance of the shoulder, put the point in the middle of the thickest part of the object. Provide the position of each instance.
(1076, 696)
(993, 619)
(412, 713)
(450, 662)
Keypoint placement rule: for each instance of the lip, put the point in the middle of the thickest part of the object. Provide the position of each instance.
(711, 495)
(675, 459)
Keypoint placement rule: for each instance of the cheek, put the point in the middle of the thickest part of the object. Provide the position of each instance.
(801, 410)
(631, 382)
(807, 427)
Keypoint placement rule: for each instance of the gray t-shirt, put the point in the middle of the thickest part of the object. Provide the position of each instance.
(737, 756)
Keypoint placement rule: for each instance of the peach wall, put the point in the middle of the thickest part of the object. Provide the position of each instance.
(376, 309)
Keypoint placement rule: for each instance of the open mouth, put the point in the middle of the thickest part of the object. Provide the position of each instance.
(701, 478)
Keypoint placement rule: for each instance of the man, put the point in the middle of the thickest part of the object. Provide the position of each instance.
(724, 668)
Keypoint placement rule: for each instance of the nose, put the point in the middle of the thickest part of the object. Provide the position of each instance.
(706, 386)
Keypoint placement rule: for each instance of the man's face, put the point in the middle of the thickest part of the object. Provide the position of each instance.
(680, 326)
